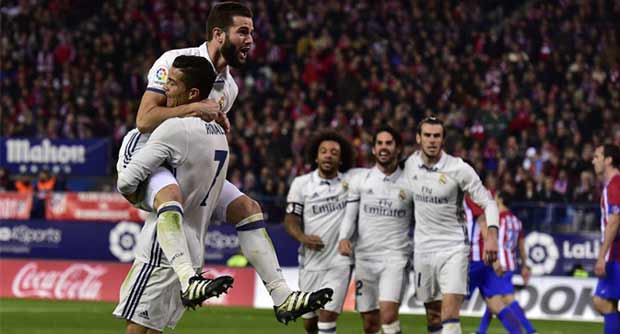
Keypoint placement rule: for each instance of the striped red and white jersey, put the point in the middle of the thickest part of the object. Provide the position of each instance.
(510, 231)
(472, 212)
(610, 205)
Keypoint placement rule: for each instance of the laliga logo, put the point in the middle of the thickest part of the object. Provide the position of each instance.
(542, 253)
(123, 239)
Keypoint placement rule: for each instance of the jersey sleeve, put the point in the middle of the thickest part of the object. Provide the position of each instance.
(295, 199)
(475, 209)
(471, 184)
(613, 197)
(168, 143)
(127, 149)
(158, 74)
(347, 228)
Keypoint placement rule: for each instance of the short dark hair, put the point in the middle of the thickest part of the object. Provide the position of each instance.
(431, 120)
(221, 16)
(197, 73)
(505, 197)
(612, 151)
(395, 134)
(346, 149)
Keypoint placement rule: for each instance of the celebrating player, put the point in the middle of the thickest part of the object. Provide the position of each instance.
(438, 182)
(315, 208)
(382, 250)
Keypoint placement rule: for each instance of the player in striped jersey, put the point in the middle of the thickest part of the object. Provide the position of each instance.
(606, 165)
(510, 240)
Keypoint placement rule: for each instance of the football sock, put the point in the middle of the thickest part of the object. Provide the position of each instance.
(256, 246)
(173, 242)
(518, 311)
(485, 321)
(451, 326)
(393, 328)
(434, 329)
(509, 320)
(612, 323)
(327, 327)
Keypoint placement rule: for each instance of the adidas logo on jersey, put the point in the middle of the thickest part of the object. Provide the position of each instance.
(144, 314)
(315, 195)
(370, 192)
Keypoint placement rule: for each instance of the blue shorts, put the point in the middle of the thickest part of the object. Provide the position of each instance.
(608, 287)
(484, 278)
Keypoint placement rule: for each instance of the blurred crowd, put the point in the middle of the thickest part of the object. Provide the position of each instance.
(527, 90)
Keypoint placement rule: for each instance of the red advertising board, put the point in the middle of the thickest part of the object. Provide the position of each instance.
(91, 206)
(98, 281)
(14, 205)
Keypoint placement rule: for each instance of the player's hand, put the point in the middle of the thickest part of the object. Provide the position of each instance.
(490, 246)
(345, 248)
(209, 110)
(497, 267)
(313, 242)
(599, 268)
(526, 273)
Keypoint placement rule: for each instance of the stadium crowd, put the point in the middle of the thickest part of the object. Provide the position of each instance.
(527, 90)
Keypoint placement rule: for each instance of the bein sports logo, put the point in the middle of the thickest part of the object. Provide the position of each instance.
(123, 239)
(542, 253)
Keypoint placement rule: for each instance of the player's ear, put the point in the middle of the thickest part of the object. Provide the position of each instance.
(218, 35)
(418, 139)
(194, 94)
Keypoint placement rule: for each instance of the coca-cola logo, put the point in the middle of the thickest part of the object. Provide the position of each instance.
(77, 281)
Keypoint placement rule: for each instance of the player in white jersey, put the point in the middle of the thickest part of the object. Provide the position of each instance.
(315, 209)
(381, 207)
(438, 182)
(229, 39)
(159, 285)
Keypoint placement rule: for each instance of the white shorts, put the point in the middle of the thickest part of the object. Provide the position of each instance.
(439, 273)
(150, 296)
(379, 281)
(336, 278)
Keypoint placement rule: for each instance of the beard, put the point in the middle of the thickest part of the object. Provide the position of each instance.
(230, 52)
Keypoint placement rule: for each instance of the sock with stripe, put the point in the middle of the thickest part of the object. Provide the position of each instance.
(256, 246)
(173, 242)
(393, 328)
(509, 320)
(485, 321)
(434, 329)
(518, 311)
(327, 327)
(451, 326)
(611, 323)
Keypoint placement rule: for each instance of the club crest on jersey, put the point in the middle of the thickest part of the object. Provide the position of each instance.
(222, 102)
(443, 179)
(402, 195)
(161, 75)
(345, 185)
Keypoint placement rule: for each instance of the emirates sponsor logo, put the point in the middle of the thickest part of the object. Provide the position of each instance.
(77, 281)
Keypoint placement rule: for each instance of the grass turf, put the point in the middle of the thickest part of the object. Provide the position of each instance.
(67, 317)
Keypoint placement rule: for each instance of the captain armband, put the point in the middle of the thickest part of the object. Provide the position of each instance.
(295, 209)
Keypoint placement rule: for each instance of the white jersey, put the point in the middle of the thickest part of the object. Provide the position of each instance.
(321, 205)
(224, 90)
(197, 153)
(384, 215)
(438, 193)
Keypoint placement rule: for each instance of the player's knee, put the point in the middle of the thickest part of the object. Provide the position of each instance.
(433, 314)
(169, 193)
(370, 322)
(601, 305)
(241, 208)
(389, 316)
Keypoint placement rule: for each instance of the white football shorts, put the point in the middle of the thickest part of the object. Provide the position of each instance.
(337, 278)
(380, 281)
(439, 273)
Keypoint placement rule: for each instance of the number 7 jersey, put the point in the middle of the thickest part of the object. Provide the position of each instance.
(197, 154)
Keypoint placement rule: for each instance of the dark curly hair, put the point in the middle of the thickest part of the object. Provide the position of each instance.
(346, 149)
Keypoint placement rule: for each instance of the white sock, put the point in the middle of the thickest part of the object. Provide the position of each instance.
(173, 242)
(393, 328)
(327, 327)
(258, 249)
(451, 326)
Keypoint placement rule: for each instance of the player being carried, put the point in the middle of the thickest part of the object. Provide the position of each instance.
(315, 209)
(381, 207)
(438, 182)
(229, 39)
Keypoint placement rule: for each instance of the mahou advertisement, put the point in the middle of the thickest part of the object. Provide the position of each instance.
(98, 281)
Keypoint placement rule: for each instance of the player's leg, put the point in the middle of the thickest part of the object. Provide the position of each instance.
(493, 289)
(393, 283)
(247, 217)
(606, 297)
(427, 290)
(485, 321)
(337, 278)
(367, 295)
(509, 299)
(310, 280)
(433, 317)
(453, 269)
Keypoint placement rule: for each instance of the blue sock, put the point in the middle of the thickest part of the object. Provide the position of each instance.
(509, 320)
(485, 321)
(612, 323)
(518, 311)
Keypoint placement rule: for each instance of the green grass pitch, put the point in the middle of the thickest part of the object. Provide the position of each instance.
(19, 316)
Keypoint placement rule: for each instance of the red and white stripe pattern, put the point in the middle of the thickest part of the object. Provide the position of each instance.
(610, 205)
(510, 230)
(472, 212)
